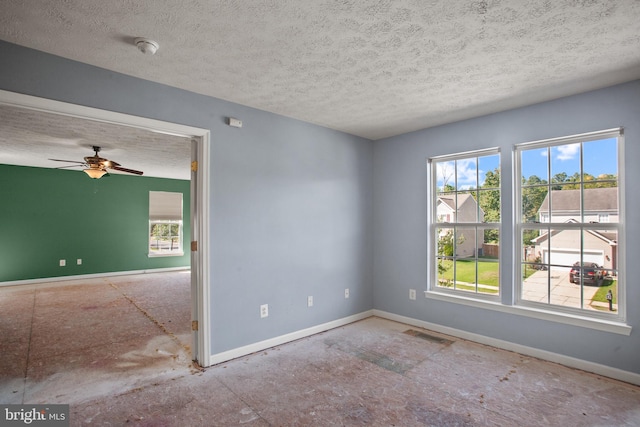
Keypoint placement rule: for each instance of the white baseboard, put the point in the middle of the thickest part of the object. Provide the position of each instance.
(225, 356)
(596, 368)
(90, 276)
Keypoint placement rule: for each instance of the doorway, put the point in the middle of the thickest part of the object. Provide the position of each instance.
(200, 141)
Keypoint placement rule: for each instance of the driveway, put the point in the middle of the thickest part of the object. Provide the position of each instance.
(536, 288)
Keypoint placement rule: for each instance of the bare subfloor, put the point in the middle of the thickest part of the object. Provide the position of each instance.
(117, 350)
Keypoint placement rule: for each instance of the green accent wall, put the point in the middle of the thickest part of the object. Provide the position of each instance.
(50, 214)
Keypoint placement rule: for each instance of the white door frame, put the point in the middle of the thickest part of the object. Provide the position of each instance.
(200, 274)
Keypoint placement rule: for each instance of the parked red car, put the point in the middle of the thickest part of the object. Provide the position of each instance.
(590, 272)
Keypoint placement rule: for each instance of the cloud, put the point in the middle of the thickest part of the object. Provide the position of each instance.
(466, 173)
(567, 152)
(465, 169)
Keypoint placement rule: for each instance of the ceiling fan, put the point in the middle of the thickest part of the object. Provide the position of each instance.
(96, 166)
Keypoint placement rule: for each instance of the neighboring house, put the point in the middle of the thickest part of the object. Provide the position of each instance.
(467, 210)
(600, 205)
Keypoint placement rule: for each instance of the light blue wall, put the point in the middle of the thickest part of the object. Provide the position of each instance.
(290, 202)
(298, 209)
(400, 220)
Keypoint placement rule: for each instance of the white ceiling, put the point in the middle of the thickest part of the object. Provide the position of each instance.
(31, 138)
(369, 68)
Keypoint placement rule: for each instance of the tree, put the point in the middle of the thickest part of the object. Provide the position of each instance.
(489, 201)
(558, 178)
(446, 248)
(534, 190)
(446, 172)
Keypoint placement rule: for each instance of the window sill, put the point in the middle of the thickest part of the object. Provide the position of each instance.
(536, 313)
(165, 255)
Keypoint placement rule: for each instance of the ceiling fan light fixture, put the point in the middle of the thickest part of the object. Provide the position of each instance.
(95, 173)
(146, 46)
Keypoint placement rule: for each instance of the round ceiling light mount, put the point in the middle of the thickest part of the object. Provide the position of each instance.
(146, 46)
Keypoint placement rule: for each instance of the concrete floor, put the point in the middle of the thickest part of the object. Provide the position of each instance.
(117, 350)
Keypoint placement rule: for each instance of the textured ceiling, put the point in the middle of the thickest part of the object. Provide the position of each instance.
(369, 68)
(32, 138)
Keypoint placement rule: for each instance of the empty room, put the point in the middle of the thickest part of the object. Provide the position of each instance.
(314, 213)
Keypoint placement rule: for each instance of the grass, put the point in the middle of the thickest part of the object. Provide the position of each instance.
(473, 289)
(601, 294)
(466, 272)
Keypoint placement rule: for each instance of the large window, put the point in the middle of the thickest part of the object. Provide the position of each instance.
(568, 221)
(464, 224)
(165, 223)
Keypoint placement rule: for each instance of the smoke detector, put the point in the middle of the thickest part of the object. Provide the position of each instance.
(146, 46)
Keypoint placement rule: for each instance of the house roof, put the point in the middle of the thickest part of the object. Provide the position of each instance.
(595, 199)
(449, 200)
(609, 237)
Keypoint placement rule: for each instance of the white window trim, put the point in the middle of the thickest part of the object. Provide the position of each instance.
(556, 311)
(606, 325)
(432, 287)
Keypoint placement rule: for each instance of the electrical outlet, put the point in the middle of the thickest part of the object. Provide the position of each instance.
(309, 301)
(346, 293)
(412, 294)
(264, 310)
(63, 262)
(79, 261)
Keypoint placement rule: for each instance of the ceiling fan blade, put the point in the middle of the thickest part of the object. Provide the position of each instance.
(70, 166)
(121, 169)
(68, 161)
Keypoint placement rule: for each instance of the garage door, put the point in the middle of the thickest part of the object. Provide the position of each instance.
(565, 258)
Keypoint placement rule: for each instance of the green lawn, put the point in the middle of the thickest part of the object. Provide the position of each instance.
(466, 272)
(601, 295)
(488, 275)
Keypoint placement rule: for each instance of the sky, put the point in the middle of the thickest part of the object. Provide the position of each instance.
(599, 157)
(469, 172)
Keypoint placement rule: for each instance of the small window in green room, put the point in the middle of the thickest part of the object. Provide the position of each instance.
(165, 223)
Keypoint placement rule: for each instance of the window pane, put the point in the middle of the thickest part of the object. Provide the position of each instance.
(535, 206)
(534, 166)
(445, 176)
(164, 237)
(489, 171)
(444, 238)
(560, 249)
(446, 207)
(565, 203)
(445, 273)
(600, 159)
(444, 260)
(466, 245)
(600, 204)
(535, 284)
(467, 209)
(565, 163)
(466, 174)
(465, 274)
(489, 201)
(534, 273)
(488, 261)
